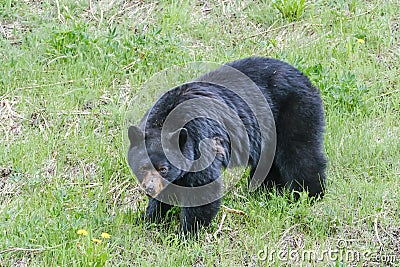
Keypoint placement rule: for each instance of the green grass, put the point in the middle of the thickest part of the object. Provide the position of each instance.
(68, 71)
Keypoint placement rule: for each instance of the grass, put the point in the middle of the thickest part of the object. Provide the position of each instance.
(68, 70)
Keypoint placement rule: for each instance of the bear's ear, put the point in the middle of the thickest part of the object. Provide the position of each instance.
(182, 134)
(135, 135)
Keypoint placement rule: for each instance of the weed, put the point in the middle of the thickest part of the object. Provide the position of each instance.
(291, 10)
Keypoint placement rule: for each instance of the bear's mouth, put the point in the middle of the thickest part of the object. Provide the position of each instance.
(153, 183)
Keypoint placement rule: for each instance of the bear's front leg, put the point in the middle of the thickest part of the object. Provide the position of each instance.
(156, 210)
(195, 217)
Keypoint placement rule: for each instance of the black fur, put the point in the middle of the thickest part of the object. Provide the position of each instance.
(299, 163)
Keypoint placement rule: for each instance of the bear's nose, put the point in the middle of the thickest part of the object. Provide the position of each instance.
(149, 189)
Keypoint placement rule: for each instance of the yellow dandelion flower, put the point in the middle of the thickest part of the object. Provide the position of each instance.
(360, 40)
(82, 232)
(95, 240)
(105, 235)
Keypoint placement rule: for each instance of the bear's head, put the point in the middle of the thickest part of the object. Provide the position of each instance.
(147, 159)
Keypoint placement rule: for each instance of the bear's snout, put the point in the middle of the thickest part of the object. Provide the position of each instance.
(152, 183)
(149, 189)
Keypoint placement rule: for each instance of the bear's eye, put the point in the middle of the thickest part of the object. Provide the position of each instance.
(163, 170)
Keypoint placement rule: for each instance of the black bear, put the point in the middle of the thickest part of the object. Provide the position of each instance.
(196, 130)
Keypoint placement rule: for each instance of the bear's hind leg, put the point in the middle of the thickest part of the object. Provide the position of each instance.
(299, 151)
(303, 165)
